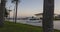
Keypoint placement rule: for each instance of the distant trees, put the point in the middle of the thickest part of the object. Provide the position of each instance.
(48, 12)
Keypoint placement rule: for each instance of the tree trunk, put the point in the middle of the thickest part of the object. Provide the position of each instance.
(48, 12)
(2, 11)
(14, 14)
(16, 11)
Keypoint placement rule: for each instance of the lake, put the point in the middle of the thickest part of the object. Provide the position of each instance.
(55, 23)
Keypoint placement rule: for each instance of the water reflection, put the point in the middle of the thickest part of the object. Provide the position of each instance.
(56, 23)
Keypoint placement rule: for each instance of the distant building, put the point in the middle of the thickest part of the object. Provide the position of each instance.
(57, 17)
(40, 15)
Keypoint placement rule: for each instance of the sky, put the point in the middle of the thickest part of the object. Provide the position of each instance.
(31, 7)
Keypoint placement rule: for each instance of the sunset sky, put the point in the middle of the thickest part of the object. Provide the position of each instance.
(31, 7)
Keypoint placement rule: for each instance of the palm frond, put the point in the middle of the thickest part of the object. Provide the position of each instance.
(15, 1)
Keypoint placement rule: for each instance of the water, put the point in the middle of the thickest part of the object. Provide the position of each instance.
(56, 23)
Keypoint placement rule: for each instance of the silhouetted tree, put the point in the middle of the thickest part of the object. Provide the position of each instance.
(2, 11)
(6, 13)
(16, 3)
(48, 12)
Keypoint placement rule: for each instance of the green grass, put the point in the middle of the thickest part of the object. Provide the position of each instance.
(18, 27)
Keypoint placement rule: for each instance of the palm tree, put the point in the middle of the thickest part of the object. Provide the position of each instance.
(16, 3)
(48, 12)
(2, 11)
(14, 15)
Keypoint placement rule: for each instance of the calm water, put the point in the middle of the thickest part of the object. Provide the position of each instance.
(56, 23)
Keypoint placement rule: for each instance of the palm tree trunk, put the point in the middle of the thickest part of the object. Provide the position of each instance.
(48, 12)
(2, 11)
(16, 11)
(14, 14)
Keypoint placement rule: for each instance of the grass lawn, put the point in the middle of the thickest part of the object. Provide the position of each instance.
(18, 27)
